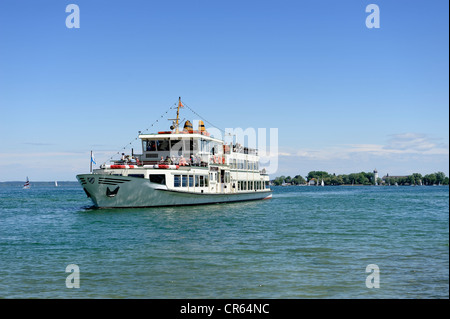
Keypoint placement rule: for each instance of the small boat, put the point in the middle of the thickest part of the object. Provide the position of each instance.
(27, 184)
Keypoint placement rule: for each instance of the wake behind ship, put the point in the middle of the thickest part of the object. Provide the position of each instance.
(176, 168)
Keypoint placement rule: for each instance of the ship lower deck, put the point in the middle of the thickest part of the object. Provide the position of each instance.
(109, 191)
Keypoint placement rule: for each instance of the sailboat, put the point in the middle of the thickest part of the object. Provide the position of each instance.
(56, 183)
(27, 184)
(322, 184)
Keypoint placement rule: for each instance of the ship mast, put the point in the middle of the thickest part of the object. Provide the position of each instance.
(178, 115)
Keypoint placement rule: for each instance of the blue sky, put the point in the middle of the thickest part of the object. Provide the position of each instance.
(344, 98)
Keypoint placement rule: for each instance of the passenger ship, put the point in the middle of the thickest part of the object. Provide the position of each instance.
(176, 168)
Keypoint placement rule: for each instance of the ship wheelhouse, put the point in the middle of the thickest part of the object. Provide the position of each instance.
(194, 149)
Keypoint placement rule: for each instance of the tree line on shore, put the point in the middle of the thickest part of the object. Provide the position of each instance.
(363, 178)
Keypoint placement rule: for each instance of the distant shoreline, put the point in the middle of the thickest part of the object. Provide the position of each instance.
(304, 185)
(39, 183)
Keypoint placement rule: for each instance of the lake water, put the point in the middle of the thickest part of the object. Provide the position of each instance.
(306, 242)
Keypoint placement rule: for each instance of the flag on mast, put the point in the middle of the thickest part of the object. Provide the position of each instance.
(92, 162)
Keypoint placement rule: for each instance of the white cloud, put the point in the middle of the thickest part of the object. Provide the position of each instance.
(402, 153)
(399, 144)
(411, 142)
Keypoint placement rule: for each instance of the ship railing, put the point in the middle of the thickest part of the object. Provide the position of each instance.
(162, 162)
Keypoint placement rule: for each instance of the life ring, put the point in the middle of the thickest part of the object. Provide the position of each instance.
(223, 160)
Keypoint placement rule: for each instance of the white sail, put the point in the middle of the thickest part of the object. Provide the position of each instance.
(27, 184)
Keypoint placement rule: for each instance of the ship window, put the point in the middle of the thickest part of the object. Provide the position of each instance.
(191, 181)
(158, 178)
(177, 180)
(205, 146)
(151, 146)
(163, 145)
(266, 184)
(176, 146)
(201, 181)
(197, 181)
(184, 180)
(188, 145)
(214, 148)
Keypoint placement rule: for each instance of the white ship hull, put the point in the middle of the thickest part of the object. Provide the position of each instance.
(109, 191)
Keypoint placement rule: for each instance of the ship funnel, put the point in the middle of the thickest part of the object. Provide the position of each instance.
(201, 127)
(188, 126)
